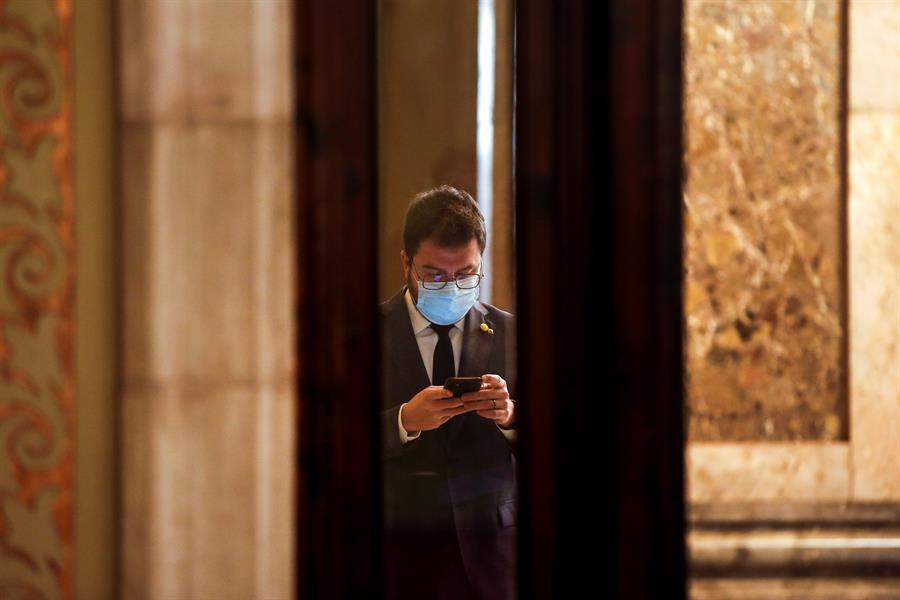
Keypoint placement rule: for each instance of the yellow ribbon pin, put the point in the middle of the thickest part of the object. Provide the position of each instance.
(484, 327)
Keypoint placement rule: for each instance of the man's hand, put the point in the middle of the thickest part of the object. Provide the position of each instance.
(492, 401)
(429, 409)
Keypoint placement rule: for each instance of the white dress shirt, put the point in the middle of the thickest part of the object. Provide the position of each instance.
(427, 338)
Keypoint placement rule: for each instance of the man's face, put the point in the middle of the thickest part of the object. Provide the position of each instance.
(432, 259)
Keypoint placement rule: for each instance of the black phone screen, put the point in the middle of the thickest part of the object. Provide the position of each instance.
(462, 385)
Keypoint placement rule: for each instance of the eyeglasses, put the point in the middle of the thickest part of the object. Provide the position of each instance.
(439, 281)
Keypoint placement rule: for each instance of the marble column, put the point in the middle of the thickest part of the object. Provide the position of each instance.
(207, 242)
(874, 248)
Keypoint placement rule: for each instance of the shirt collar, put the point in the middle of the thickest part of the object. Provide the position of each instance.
(418, 320)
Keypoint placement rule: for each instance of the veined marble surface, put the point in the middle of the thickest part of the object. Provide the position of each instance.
(764, 256)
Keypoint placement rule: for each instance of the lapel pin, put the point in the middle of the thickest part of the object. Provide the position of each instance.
(484, 327)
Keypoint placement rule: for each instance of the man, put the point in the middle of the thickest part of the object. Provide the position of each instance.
(449, 462)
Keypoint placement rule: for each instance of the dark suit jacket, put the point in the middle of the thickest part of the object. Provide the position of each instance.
(453, 485)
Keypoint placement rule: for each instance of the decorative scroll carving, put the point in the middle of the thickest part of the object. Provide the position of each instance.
(36, 298)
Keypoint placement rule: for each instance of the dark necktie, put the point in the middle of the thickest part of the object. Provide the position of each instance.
(443, 366)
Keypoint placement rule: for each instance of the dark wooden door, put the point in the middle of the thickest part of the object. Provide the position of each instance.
(598, 242)
(598, 234)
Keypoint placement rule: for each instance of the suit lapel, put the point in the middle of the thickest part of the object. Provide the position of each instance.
(401, 345)
(476, 351)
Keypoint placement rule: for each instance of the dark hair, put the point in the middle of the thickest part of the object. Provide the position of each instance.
(449, 216)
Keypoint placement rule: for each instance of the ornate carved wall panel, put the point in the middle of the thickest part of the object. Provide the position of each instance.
(764, 284)
(36, 300)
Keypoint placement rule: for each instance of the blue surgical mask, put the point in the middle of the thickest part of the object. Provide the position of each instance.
(446, 305)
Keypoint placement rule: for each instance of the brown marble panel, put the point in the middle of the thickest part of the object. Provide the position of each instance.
(763, 220)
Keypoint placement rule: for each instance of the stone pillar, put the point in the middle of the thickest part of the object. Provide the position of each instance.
(874, 248)
(207, 384)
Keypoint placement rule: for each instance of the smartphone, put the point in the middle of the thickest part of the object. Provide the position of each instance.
(462, 385)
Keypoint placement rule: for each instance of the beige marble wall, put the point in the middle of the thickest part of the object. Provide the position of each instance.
(207, 242)
(771, 472)
(874, 240)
